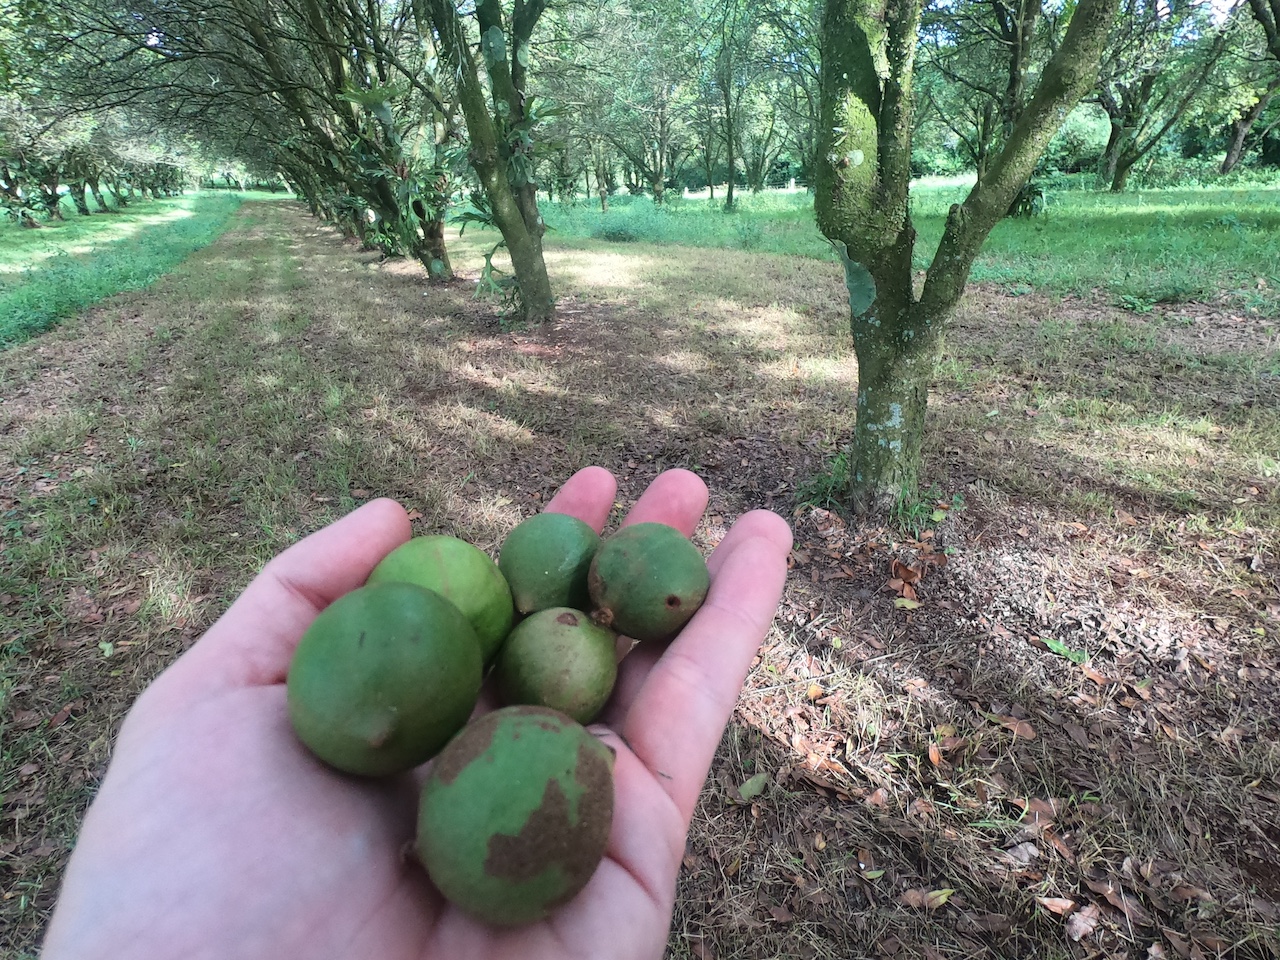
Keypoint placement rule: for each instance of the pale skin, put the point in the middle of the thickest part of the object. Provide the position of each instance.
(216, 835)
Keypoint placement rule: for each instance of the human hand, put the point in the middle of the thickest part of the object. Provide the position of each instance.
(216, 834)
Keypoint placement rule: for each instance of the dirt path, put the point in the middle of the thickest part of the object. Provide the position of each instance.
(928, 771)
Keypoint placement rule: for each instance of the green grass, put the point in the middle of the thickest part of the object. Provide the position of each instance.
(1138, 249)
(52, 273)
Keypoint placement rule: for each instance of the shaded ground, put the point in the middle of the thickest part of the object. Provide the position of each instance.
(928, 770)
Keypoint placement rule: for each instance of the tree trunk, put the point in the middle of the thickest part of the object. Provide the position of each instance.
(1242, 126)
(730, 160)
(862, 206)
(1111, 155)
(96, 189)
(50, 197)
(893, 393)
(77, 189)
(432, 252)
(514, 210)
(1120, 173)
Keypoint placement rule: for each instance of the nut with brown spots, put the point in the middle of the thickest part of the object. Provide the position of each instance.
(515, 815)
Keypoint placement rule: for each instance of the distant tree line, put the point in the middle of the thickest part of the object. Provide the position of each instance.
(362, 108)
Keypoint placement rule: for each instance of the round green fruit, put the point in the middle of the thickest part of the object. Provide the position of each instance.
(383, 678)
(462, 574)
(558, 658)
(515, 814)
(545, 560)
(647, 580)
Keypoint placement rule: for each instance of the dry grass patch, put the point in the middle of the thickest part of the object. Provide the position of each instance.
(1074, 732)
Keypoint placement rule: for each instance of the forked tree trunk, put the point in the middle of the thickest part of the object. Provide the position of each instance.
(1243, 125)
(862, 206)
(514, 208)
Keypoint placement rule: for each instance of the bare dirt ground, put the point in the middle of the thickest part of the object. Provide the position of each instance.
(1037, 717)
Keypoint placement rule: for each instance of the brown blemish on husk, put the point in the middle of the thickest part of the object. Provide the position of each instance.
(471, 743)
(550, 838)
(568, 619)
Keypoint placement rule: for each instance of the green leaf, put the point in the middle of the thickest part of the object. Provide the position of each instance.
(906, 603)
(1062, 650)
(936, 898)
(754, 787)
(873, 874)
(858, 281)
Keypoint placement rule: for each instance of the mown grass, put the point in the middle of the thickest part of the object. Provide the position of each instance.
(50, 273)
(1138, 249)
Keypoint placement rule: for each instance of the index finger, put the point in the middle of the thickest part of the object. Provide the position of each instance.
(587, 495)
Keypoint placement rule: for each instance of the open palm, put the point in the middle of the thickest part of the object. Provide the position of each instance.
(215, 834)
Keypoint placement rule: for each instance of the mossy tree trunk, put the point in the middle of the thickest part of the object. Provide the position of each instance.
(95, 187)
(77, 189)
(862, 205)
(500, 160)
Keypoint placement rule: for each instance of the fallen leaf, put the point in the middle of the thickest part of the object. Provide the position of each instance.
(906, 603)
(1058, 905)
(915, 897)
(754, 786)
(1023, 852)
(1083, 922)
(1019, 728)
(415, 514)
(1126, 518)
(1210, 941)
(1120, 898)
(937, 898)
(699, 948)
(780, 914)
(935, 754)
(1095, 676)
(1181, 945)
(1078, 734)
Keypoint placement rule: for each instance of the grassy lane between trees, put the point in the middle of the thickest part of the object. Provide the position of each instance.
(1138, 249)
(1037, 717)
(51, 272)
